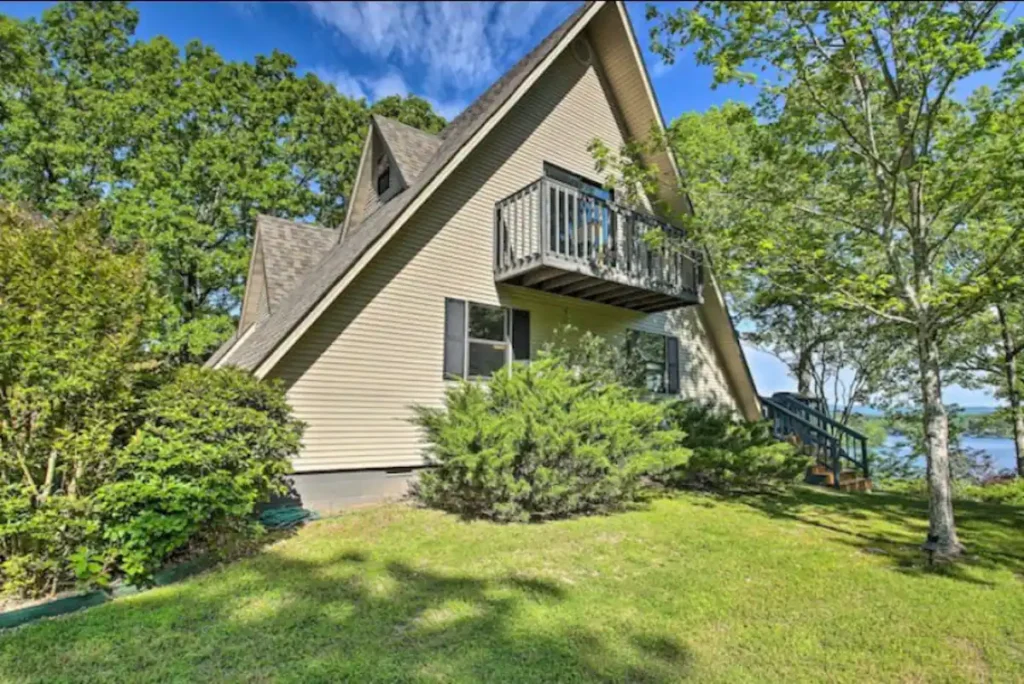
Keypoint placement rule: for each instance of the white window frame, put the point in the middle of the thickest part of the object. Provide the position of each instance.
(663, 387)
(506, 341)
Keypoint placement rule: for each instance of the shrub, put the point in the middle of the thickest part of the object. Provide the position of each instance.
(730, 453)
(1010, 492)
(38, 537)
(208, 448)
(75, 316)
(212, 445)
(541, 442)
(107, 465)
(595, 358)
(74, 319)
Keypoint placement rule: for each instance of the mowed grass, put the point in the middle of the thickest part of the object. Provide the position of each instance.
(811, 586)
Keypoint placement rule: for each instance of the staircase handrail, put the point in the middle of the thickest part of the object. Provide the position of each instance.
(825, 439)
(829, 420)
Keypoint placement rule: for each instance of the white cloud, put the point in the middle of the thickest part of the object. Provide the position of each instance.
(346, 83)
(449, 109)
(658, 67)
(388, 84)
(460, 45)
(374, 88)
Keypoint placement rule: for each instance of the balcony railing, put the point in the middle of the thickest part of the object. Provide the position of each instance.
(555, 237)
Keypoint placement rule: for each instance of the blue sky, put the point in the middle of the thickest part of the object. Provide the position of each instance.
(445, 52)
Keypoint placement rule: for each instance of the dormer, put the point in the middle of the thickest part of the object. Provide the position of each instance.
(393, 156)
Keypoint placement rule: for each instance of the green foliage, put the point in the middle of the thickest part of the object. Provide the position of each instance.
(595, 358)
(411, 110)
(209, 446)
(178, 148)
(731, 453)
(542, 442)
(100, 473)
(863, 183)
(74, 318)
(212, 445)
(39, 537)
(1010, 492)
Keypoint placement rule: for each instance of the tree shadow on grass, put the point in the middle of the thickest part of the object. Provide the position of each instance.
(894, 526)
(349, 617)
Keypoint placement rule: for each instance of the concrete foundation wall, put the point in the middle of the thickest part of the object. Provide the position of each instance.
(332, 492)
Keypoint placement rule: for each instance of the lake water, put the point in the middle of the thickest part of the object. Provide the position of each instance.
(999, 448)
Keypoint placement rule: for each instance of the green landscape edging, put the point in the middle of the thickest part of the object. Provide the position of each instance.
(275, 518)
(70, 604)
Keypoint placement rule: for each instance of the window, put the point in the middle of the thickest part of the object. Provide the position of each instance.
(659, 358)
(480, 339)
(592, 188)
(487, 339)
(383, 174)
(585, 225)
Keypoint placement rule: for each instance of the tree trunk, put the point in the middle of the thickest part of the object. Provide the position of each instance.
(805, 373)
(1013, 396)
(942, 535)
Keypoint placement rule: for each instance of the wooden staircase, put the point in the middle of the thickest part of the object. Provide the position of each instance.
(840, 452)
(849, 480)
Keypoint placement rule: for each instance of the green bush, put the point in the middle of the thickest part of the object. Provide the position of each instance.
(209, 447)
(1009, 493)
(38, 537)
(108, 467)
(596, 358)
(212, 445)
(542, 442)
(730, 453)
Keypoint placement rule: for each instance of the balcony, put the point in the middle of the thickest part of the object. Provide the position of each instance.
(554, 237)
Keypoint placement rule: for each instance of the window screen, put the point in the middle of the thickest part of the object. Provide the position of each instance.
(480, 339)
(659, 359)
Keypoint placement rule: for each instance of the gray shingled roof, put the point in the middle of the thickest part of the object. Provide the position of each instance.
(270, 332)
(410, 147)
(290, 251)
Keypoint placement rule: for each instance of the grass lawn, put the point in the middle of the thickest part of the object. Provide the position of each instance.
(810, 586)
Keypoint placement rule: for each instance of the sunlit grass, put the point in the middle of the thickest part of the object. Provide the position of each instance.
(806, 587)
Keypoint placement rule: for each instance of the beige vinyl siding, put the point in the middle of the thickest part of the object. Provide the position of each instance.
(700, 371)
(379, 348)
(256, 303)
(365, 199)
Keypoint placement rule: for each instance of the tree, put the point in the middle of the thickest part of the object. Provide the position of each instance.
(412, 111)
(75, 316)
(986, 352)
(904, 184)
(830, 357)
(178, 149)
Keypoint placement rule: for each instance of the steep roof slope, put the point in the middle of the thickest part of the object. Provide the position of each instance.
(410, 147)
(290, 250)
(252, 350)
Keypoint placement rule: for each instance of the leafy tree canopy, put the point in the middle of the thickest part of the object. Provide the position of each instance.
(869, 187)
(178, 149)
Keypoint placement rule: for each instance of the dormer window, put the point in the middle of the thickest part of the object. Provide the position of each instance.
(383, 174)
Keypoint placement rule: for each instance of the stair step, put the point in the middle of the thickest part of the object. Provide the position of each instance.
(849, 480)
(860, 484)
